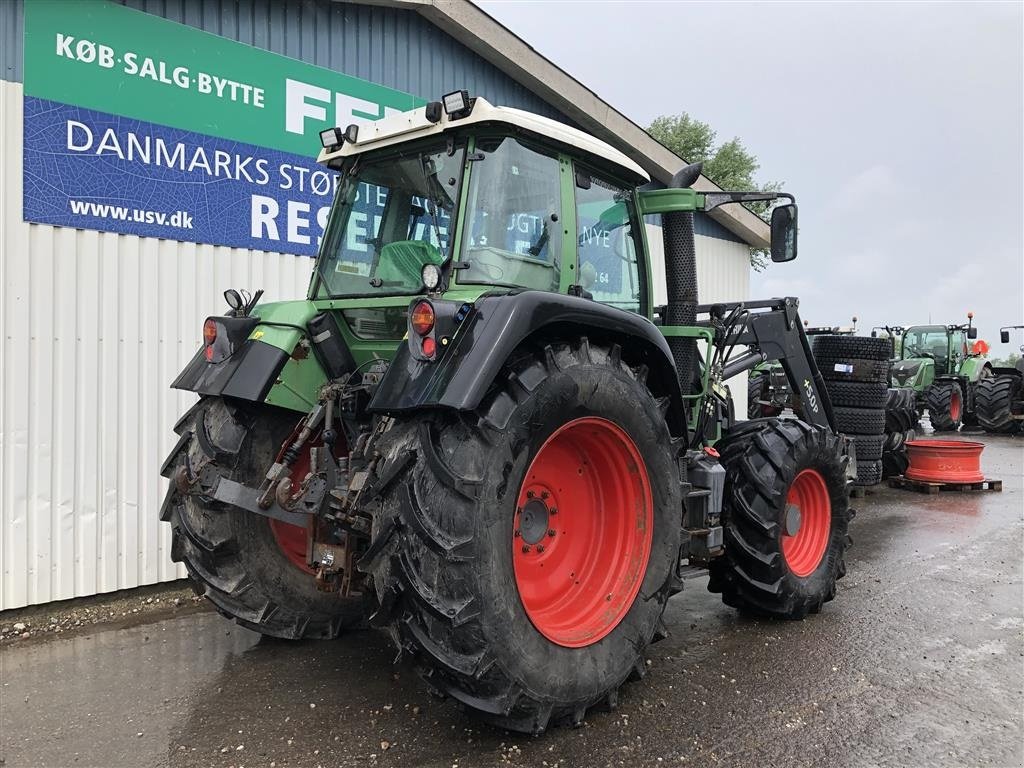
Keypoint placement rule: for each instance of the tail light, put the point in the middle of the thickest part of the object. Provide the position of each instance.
(209, 336)
(422, 318)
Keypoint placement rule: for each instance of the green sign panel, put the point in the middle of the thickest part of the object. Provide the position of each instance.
(116, 60)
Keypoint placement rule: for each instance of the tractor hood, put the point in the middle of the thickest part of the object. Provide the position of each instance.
(905, 371)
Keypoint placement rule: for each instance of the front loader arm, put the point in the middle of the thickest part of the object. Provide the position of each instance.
(772, 330)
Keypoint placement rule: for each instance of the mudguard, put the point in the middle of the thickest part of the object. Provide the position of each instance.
(500, 323)
(261, 360)
(972, 367)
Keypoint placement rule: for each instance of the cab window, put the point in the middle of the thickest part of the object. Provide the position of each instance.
(513, 217)
(605, 246)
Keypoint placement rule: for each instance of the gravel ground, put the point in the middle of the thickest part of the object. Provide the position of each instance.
(117, 609)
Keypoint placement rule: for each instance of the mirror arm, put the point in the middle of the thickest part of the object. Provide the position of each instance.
(714, 199)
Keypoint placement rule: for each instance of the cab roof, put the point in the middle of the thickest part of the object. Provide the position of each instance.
(414, 125)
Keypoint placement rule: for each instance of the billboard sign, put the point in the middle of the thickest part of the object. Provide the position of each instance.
(139, 125)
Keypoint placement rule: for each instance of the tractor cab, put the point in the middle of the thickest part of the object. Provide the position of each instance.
(456, 202)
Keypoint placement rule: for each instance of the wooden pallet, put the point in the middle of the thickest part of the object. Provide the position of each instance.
(922, 486)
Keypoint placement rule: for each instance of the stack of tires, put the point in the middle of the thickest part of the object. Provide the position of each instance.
(900, 428)
(856, 370)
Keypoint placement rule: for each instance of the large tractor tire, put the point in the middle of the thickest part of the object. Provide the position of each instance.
(993, 403)
(785, 513)
(250, 567)
(855, 394)
(865, 347)
(523, 554)
(945, 404)
(835, 368)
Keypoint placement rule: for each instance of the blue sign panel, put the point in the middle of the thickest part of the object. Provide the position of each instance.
(93, 170)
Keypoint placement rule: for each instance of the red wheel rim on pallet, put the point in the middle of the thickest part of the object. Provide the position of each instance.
(944, 461)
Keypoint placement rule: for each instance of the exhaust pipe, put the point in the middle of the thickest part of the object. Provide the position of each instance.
(681, 277)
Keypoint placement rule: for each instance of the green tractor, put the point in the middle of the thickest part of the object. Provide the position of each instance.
(768, 392)
(937, 362)
(999, 399)
(477, 432)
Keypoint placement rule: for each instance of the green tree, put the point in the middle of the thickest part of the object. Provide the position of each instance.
(730, 165)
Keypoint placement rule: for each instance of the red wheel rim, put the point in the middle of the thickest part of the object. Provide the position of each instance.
(954, 406)
(807, 522)
(582, 533)
(291, 539)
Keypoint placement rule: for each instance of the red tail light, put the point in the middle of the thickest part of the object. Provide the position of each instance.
(422, 318)
(429, 346)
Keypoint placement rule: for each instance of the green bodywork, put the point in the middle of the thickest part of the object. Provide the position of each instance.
(281, 325)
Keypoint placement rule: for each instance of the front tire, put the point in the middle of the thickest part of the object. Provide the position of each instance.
(945, 403)
(479, 513)
(786, 514)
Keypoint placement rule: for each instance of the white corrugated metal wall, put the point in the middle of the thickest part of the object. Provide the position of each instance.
(94, 326)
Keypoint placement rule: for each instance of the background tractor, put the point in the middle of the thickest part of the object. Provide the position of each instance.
(478, 433)
(942, 369)
(999, 399)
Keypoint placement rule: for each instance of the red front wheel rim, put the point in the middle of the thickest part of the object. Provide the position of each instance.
(807, 523)
(582, 534)
(954, 407)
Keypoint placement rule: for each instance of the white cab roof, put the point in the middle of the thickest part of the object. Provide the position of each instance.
(408, 126)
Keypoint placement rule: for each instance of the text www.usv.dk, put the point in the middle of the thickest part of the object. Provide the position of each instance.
(179, 219)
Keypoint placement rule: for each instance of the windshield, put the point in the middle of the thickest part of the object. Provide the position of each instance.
(392, 216)
(925, 341)
(513, 229)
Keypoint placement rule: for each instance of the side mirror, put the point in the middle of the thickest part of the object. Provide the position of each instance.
(972, 332)
(1004, 336)
(784, 233)
(874, 334)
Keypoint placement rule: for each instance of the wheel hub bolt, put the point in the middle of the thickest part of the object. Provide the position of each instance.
(544, 494)
(530, 494)
(517, 533)
(552, 511)
(540, 548)
(551, 531)
(526, 547)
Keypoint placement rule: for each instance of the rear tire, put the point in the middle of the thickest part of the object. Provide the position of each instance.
(773, 465)
(945, 404)
(455, 586)
(993, 404)
(232, 556)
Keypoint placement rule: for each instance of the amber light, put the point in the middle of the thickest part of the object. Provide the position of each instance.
(209, 332)
(422, 318)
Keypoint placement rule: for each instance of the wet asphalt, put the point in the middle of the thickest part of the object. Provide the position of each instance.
(919, 662)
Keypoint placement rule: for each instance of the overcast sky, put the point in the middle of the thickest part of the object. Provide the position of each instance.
(899, 128)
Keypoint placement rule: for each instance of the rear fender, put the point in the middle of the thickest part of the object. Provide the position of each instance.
(264, 358)
(501, 323)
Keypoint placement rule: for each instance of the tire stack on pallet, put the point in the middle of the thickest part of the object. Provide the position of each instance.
(900, 428)
(856, 371)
